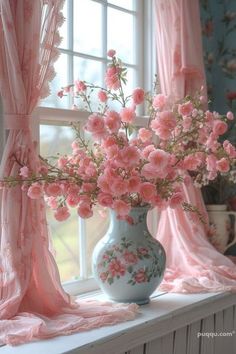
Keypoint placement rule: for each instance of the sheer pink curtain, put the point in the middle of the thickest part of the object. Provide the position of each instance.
(193, 265)
(33, 304)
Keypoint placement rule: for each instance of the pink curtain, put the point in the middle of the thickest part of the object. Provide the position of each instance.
(33, 304)
(193, 264)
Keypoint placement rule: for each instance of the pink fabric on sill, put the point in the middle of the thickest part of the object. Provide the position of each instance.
(193, 264)
(33, 304)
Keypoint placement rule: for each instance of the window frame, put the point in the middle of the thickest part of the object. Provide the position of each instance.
(63, 117)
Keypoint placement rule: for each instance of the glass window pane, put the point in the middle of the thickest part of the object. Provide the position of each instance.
(63, 30)
(64, 235)
(121, 40)
(96, 228)
(88, 27)
(127, 4)
(61, 79)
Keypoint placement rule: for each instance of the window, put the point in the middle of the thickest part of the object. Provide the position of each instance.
(91, 28)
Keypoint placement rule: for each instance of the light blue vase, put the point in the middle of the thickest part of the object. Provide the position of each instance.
(128, 263)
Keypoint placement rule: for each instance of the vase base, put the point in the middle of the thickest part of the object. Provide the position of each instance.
(138, 302)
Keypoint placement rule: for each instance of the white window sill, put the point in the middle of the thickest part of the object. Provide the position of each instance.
(166, 313)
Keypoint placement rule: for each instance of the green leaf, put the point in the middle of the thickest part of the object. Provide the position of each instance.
(110, 281)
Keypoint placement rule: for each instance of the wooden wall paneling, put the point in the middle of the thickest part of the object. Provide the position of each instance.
(193, 339)
(207, 338)
(234, 329)
(228, 318)
(137, 350)
(154, 347)
(219, 327)
(168, 343)
(180, 341)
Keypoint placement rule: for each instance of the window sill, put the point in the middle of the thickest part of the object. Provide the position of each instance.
(164, 314)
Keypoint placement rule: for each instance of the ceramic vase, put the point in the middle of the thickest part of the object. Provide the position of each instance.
(128, 263)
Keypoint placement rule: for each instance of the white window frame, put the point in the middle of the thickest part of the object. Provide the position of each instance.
(145, 51)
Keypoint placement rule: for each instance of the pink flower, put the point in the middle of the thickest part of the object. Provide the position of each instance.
(149, 171)
(103, 276)
(104, 184)
(112, 78)
(60, 93)
(130, 257)
(141, 276)
(84, 210)
(159, 158)
(229, 149)
(116, 268)
(53, 190)
(122, 208)
(52, 202)
(102, 96)
(72, 200)
(133, 184)
(159, 101)
(119, 186)
(230, 116)
(176, 200)
(80, 86)
(144, 134)
(62, 213)
(95, 124)
(24, 172)
(219, 127)
(112, 121)
(187, 122)
(111, 53)
(35, 191)
(129, 156)
(62, 161)
(147, 191)
(191, 162)
(211, 163)
(105, 199)
(138, 95)
(164, 124)
(143, 251)
(127, 115)
(146, 151)
(185, 109)
(223, 165)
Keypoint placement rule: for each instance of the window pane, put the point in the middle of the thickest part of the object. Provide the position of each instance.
(127, 4)
(63, 30)
(61, 79)
(96, 228)
(120, 34)
(88, 27)
(64, 235)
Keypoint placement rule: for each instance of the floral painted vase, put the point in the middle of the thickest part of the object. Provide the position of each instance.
(128, 263)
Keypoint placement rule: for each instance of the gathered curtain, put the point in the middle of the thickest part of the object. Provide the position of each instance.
(193, 264)
(33, 304)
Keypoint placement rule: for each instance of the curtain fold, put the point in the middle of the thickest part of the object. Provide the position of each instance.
(33, 304)
(193, 264)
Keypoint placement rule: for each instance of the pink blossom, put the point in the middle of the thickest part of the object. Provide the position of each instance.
(112, 121)
(164, 124)
(159, 158)
(104, 184)
(111, 53)
(62, 213)
(88, 187)
(133, 184)
(211, 163)
(103, 276)
(147, 191)
(72, 200)
(116, 268)
(149, 171)
(108, 142)
(138, 95)
(229, 149)
(141, 276)
(53, 190)
(185, 109)
(119, 186)
(84, 210)
(122, 208)
(187, 122)
(35, 191)
(144, 134)
(102, 96)
(223, 165)
(80, 86)
(176, 200)
(230, 115)
(212, 175)
(129, 156)
(127, 115)
(62, 161)
(146, 151)
(159, 101)
(112, 78)
(52, 202)
(219, 127)
(95, 124)
(130, 257)
(60, 93)
(24, 172)
(191, 162)
(105, 199)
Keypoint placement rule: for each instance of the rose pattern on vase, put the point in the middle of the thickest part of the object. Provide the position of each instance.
(128, 263)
